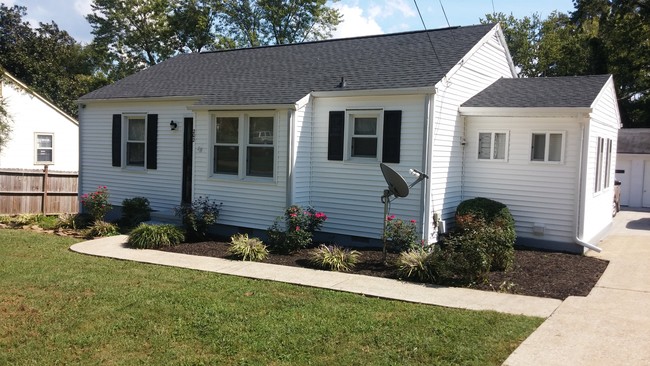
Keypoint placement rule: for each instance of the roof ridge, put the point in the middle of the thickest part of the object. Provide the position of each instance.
(331, 40)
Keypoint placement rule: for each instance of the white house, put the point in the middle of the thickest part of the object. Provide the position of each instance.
(633, 166)
(41, 134)
(262, 128)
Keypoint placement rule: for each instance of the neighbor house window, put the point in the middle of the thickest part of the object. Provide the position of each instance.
(244, 145)
(603, 163)
(44, 148)
(364, 136)
(492, 145)
(135, 141)
(547, 146)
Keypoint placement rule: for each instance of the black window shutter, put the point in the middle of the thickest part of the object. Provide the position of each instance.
(392, 136)
(117, 140)
(152, 141)
(336, 137)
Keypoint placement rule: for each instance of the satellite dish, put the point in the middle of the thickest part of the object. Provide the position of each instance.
(396, 184)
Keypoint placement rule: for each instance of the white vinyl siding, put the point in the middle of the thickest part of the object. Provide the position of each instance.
(302, 167)
(161, 186)
(484, 66)
(534, 193)
(349, 191)
(31, 116)
(248, 201)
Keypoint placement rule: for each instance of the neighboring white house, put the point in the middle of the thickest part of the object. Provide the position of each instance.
(633, 166)
(41, 134)
(262, 128)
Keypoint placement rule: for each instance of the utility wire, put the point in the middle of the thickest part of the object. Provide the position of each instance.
(444, 13)
(428, 33)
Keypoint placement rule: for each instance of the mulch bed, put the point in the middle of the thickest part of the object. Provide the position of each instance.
(535, 273)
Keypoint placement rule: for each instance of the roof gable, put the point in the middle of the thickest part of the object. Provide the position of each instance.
(286, 73)
(543, 92)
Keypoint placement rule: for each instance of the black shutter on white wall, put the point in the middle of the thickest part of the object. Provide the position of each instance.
(336, 135)
(117, 140)
(392, 136)
(152, 141)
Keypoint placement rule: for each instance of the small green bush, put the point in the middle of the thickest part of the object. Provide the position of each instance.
(198, 216)
(463, 259)
(415, 264)
(155, 236)
(96, 203)
(402, 235)
(490, 222)
(47, 222)
(334, 258)
(295, 229)
(66, 221)
(135, 210)
(101, 229)
(247, 249)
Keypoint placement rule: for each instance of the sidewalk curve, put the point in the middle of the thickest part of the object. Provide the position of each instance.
(115, 247)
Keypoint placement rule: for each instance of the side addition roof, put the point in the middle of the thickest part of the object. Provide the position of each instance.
(556, 92)
(633, 141)
(286, 73)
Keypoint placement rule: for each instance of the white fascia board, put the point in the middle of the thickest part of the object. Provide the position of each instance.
(82, 102)
(526, 112)
(241, 107)
(373, 92)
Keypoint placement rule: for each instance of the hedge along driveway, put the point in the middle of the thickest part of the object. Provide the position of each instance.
(60, 307)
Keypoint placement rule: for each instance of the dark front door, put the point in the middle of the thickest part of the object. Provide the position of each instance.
(188, 143)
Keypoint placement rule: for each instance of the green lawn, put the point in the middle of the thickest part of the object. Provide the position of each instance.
(59, 307)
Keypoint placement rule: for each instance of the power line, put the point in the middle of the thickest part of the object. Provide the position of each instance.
(428, 34)
(444, 13)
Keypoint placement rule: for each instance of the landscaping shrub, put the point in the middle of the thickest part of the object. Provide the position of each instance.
(101, 228)
(401, 235)
(490, 222)
(47, 222)
(247, 249)
(97, 203)
(415, 264)
(155, 236)
(198, 216)
(66, 221)
(334, 258)
(463, 259)
(135, 210)
(295, 229)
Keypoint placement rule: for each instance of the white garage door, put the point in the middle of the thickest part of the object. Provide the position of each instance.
(623, 175)
(646, 185)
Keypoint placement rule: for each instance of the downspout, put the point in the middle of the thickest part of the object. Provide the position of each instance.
(290, 156)
(425, 199)
(579, 212)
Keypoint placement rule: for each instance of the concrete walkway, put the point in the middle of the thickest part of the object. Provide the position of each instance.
(114, 247)
(611, 326)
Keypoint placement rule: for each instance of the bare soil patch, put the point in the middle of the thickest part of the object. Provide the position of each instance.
(535, 273)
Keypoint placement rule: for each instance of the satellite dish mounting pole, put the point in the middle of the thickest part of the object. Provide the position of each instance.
(386, 201)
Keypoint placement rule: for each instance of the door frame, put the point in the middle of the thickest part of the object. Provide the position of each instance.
(187, 163)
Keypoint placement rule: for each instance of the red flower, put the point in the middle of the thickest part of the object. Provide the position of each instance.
(297, 228)
(293, 215)
(412, 221)
(390, 218)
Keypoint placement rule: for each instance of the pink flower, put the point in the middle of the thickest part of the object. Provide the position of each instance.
(320, 215)
(412, 221)
(293, 215)
(390, 218)
(297, 228)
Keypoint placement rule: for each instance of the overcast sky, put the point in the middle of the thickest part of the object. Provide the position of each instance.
(360, 17)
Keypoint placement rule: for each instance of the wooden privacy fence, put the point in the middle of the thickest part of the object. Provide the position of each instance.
(38, 191)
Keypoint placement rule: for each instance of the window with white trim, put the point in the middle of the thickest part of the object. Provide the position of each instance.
(136, 141)
(44, 143)
(493, 145)
(603, 164)
(365, 134)
(547, 147)
(244, 145)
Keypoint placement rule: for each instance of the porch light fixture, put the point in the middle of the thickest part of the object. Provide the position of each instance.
(173, 125)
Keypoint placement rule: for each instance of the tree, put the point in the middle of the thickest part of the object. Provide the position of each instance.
(5, 122)
(47, 59)
(263, 22)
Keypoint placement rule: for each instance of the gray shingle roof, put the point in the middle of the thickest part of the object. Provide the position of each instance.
(633, 141)
(566, 91)
(285, 74)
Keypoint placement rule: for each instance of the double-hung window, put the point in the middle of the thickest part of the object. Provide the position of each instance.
(547, 147)
(365, 136)
(244, 145)
(493, 145)
(44, 143)
(603, 163)
(136, 141)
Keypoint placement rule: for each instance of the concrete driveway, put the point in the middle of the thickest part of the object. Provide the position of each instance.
(611, 326)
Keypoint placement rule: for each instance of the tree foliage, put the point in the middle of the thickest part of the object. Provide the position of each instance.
(5, 121)
(47, 59)
(598, 37)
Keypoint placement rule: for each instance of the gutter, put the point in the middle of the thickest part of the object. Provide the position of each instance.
(579, 214)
